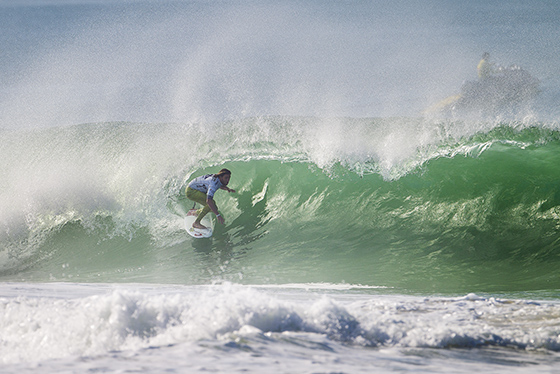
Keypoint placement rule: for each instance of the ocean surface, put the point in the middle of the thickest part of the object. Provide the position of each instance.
(364, 235)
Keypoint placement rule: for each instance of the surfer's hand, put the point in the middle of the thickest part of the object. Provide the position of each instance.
(220, 219)
(230, 190)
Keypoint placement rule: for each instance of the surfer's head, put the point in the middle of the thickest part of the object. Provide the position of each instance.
(224, 175)
(485, 56)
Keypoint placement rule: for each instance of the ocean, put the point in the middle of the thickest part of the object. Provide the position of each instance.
(366, 235)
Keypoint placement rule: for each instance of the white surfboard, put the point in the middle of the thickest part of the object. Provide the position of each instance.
(199, 233)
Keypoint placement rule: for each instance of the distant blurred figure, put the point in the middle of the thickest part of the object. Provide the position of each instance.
(485, 67)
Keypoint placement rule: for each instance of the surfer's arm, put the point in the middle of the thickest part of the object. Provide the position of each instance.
(227, 189)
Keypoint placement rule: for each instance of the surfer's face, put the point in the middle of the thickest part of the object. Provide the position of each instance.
(225, 179)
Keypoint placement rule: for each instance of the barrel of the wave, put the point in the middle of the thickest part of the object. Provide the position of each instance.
(201, 190)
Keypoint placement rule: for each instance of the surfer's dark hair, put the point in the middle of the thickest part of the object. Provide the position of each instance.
(223, 172)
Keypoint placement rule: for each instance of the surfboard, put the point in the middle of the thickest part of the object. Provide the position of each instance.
(199, 233)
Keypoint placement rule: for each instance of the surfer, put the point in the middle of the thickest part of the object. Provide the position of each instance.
(201, 190)
(485, 68)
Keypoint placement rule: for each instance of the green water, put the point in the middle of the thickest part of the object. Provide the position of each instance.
(477, 214)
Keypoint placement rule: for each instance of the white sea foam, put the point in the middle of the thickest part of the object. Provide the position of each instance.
(84, 323)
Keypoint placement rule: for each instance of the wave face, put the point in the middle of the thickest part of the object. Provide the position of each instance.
(396, 202)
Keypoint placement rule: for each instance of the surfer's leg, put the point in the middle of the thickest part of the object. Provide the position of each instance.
(196, 196)
(201, 213)
(204, 211)
(199, 197)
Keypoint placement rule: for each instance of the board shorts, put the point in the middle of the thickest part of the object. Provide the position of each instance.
(198, 197)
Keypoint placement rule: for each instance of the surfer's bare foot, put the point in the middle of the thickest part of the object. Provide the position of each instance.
(197, 225)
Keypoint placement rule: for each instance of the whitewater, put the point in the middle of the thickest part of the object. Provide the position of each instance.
(366, 234)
